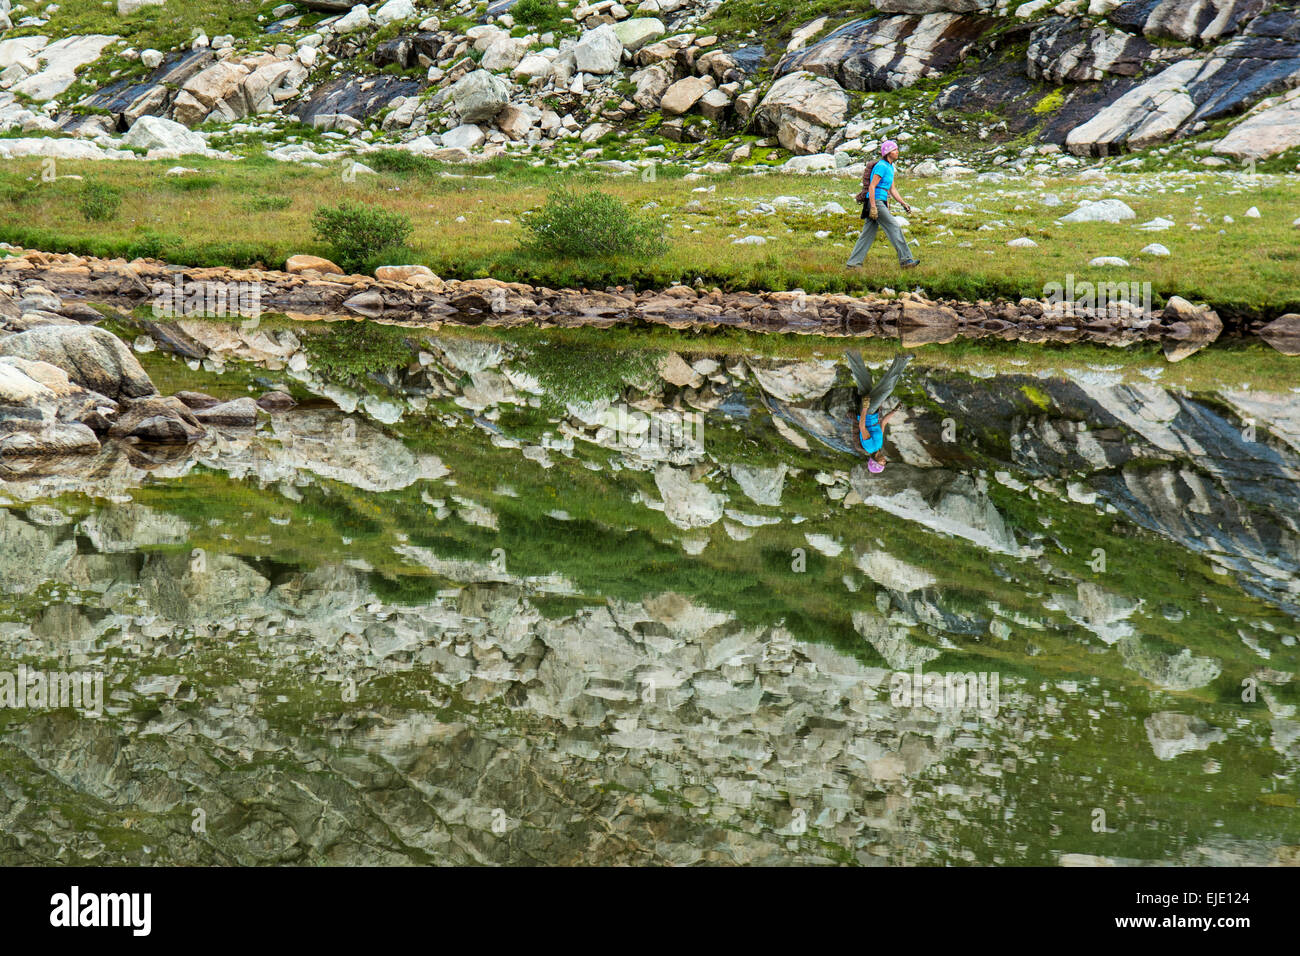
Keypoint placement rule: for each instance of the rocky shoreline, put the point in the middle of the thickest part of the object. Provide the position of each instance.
(67, 384)
(414, 295)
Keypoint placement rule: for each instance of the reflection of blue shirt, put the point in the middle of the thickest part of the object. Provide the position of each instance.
(885, 170)
(875, 439)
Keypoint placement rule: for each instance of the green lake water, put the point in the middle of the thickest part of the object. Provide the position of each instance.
(454, 607)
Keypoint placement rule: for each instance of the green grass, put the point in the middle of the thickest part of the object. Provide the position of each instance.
(772, 19)
(1249, 270)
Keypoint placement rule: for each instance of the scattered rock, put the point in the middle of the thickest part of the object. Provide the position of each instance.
(1283, 333)
(239, 413)
(683, 94)
(800, 110)
(635, 33)
(1191, 328)
(296, 265)
(276, 402)
(599, 51)
(1172, 734)
(160, 419)
(154, 132)
(479, 96)
(1103, 210)
(92, 357)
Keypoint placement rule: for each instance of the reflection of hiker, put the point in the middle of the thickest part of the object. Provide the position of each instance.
(877, 188)
(871, 424)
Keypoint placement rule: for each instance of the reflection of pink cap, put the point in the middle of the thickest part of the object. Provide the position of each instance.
(887, 147)
(874, 466)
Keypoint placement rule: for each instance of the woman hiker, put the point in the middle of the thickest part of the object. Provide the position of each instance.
(871, 424)
(877, 189)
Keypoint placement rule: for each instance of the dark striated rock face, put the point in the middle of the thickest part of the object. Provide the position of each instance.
(1192, 21)
(1073, 50)
(399, 50)
(1001, 84)
(995, 89)
(1242, 72)
(747, 59)
(727, 66)
(495, 9)
(1220, 83)
(1279, 24)
(405, 51)
(128, 100)
(1217, 482)
(1132, 15)
(889, 52)
(354, 96)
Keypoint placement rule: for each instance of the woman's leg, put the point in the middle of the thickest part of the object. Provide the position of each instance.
(864, 242)
(861, 374)
(895, 233)
(887, 382)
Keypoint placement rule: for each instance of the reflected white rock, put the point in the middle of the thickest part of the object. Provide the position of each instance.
(1172, 734)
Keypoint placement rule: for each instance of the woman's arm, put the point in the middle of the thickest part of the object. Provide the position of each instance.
(862, 422)
(884, 422)
(893, 191)
(871, 194)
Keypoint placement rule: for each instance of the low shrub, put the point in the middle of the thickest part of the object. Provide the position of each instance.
(98, 201)
(537, 13)
(585, 223)
(356, 233)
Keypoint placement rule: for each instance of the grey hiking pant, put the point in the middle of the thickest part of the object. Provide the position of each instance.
(893, 230)
(862, 375)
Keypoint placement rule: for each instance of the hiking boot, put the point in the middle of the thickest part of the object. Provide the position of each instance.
(910, 263)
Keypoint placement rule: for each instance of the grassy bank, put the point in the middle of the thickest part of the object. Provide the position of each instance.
(467, 224)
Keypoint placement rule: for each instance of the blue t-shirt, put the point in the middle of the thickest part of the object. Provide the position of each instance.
(885, 170)
(875, 439)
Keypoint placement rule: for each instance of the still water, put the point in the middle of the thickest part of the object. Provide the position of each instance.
(507, 602)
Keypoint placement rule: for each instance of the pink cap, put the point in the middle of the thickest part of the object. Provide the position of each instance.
(887, 147)
(874, 466)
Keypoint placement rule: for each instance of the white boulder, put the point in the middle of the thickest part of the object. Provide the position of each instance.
(155, 132)
(599, 51)
(394, 11)
(1103, 210)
